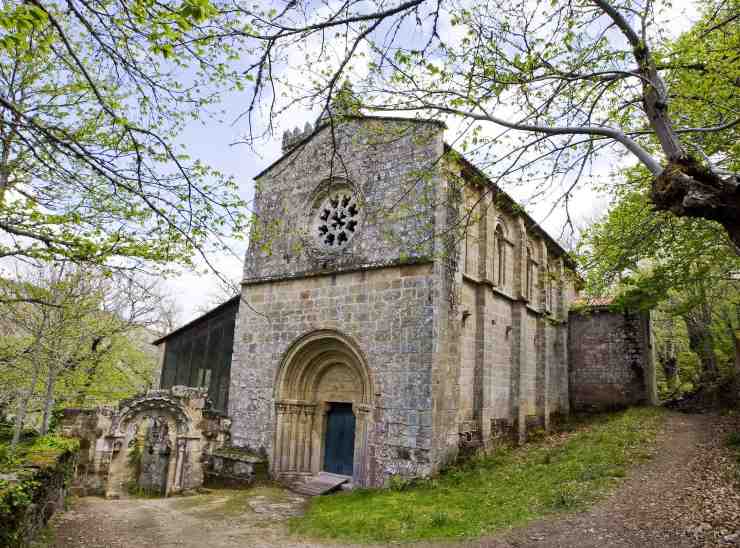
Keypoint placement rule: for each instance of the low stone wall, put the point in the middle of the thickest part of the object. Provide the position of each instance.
(30, 497)
(611, 359)
(234, 467)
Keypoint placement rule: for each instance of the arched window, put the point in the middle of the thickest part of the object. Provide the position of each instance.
(468, 246)
(499, 264)
(530, 275)
(548, 289)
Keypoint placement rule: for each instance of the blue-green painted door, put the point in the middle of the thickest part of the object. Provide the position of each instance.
(340, 439)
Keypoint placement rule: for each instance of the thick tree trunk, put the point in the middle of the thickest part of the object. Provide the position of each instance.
(685, 187)
(701, 342)
(688, 189)
(48, 401)
(20, 417)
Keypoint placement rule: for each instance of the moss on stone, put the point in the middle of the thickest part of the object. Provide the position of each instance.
(235, 453)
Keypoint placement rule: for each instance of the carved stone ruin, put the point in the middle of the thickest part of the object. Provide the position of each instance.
(156, 443)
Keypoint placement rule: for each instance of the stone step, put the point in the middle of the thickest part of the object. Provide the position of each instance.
(321, 484)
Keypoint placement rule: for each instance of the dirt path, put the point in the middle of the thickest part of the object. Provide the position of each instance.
(682, 498)
(249, 518)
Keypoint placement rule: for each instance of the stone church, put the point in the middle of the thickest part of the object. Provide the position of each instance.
(397, 308)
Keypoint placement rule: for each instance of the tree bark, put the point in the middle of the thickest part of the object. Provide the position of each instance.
(701, 342)
(684, 187)
(48, 401)
(688, 189)
(20, 417)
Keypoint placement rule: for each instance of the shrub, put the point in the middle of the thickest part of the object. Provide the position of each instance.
(398, 483)
(55, 458)
(733, 440)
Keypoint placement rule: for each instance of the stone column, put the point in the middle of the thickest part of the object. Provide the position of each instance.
(307, 435)
(278, 453)
(180, 454)
(561, 342)
(293, 411)
(542, 384)
(519, 333)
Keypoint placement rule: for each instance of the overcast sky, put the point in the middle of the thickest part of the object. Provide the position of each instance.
(213, 143)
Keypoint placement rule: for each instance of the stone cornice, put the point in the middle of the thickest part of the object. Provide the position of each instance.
(341, 270)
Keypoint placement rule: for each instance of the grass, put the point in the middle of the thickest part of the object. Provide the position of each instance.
(39, 451)
(506, 489)
(733, 442)
(45, 538)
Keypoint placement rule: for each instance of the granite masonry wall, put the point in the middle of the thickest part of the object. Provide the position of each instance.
(516, 289)
(388, 315)
(389, 169)
(611, 359)
(444, 305)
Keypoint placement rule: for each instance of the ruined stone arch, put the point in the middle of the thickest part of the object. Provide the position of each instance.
(154, 442)
(154, 401)
(319, 370)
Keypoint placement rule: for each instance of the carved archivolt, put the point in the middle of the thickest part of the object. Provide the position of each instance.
(319, 369)
(159, 402)
(318, 359)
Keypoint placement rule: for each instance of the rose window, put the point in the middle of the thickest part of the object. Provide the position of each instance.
(337, 220)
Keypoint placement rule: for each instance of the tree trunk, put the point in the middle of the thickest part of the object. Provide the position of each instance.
(701, 342)
(685, 187)
(48, 401)
(20, 417)
(688, 189)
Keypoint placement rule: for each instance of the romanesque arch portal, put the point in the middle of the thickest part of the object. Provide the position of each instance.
(323, 401)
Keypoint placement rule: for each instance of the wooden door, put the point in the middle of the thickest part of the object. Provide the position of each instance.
(340, 439)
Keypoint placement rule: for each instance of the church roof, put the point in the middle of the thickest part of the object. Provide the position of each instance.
(481, 177)
(323, 123)
(203, 317)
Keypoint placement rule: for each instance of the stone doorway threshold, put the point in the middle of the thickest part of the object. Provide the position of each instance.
(321, 484)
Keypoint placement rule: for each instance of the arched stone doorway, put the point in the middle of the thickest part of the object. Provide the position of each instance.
(323, 401)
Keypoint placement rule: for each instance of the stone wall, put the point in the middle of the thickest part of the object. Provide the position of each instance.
(30, 497)
(388, 315)
(611, 359)
(516, 287)
(458, 342)
(389, 172)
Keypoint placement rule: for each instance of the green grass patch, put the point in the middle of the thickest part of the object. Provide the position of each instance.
(39, 451)
(733, 442)
(506, 489)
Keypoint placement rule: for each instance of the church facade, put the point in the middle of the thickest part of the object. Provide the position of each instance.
(396, 308)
